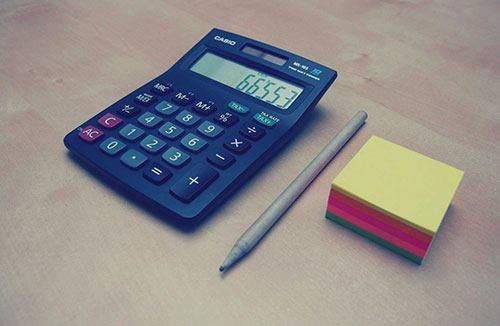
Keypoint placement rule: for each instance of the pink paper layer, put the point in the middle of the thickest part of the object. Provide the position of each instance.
(379, 216)
(381, 233)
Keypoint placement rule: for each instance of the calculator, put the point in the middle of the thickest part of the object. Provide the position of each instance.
(189, 138)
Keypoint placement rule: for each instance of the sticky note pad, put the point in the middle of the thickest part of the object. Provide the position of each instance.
(393, 195)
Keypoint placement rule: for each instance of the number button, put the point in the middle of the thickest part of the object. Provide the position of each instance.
(131, 132)
(133, 159)
(193, 143)
(149, 119)
(90, 134)
(252, 131)
(161, 88)
(237, 145)
(187, 118)
(199, 177)
(175, 157)
(145, 99)
(109, 121)
(128, 111)
(152, 144)
(166, 108)
(183, 98)
(210, 130)
(221, 159)
(204, 108)
(111, 146)
(170, 131)
(226, 119)
(156, 173)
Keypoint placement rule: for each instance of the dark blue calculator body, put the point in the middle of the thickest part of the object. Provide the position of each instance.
(186, 140)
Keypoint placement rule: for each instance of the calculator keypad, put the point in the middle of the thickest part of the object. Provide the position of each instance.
(195, 138)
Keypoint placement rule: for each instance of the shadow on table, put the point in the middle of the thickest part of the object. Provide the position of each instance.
(304, 128)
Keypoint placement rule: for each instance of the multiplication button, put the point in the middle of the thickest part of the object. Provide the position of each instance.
(194, 182)
(237, 144)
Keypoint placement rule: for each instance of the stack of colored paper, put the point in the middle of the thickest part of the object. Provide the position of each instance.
(394, 196)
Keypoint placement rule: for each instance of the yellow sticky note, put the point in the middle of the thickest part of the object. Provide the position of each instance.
(402, 183)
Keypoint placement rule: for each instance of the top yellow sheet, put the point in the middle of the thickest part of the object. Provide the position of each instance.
(401, 183)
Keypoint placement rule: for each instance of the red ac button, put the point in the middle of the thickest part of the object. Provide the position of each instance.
(109, 121)
(90, 133)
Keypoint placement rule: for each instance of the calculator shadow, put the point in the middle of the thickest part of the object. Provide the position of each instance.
(304, 128)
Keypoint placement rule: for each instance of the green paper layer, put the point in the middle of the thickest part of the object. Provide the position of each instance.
(374, 238)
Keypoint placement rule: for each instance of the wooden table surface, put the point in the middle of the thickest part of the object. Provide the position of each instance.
(73, 251)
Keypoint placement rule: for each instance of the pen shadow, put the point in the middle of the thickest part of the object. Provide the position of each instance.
(304, 127)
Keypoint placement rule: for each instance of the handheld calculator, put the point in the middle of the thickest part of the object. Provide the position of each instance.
(186, 140)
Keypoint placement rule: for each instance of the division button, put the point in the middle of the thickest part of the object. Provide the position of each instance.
(156, 173)
(221, 159)
(252, 131)
(194, 182)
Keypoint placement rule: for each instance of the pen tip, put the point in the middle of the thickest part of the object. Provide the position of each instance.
(222, 268)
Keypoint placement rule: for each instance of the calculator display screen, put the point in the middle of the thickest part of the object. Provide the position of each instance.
(255, 83)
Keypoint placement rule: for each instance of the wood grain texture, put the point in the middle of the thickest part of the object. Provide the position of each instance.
(74, 251)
